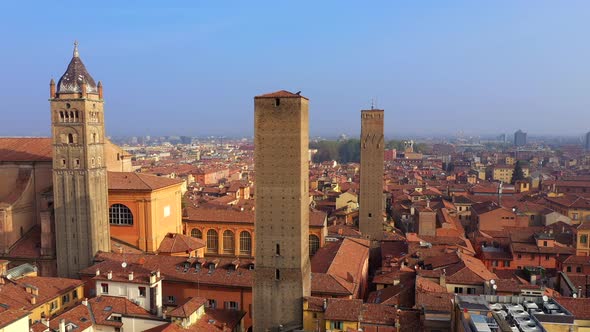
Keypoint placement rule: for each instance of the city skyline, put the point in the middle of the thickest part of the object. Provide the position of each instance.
(435, 69)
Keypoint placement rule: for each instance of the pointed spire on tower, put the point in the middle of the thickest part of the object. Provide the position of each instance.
(76, 54)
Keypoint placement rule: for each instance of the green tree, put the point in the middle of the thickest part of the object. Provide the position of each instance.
(517, 174)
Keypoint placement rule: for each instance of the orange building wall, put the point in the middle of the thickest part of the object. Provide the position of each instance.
(150, 225)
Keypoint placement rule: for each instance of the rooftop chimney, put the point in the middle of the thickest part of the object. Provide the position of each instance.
(110, 275)
(130, 275)
(62, 325)
(85, 301)
(97, 272)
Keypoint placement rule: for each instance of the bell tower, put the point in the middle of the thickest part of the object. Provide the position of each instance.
(80, 188)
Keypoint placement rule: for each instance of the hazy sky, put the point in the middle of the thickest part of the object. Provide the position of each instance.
(192, 68)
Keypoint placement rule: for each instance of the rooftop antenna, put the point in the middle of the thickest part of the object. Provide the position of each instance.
(372, 103)
(76, 49)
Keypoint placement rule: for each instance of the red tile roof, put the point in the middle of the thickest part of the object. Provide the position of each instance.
(138, 181)
(188, 308)
(178, 243)
(579, 307)
(25, 149)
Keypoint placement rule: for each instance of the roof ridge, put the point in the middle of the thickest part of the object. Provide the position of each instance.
(140, 178)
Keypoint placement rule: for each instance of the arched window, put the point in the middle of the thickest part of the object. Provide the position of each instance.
(314, 244)
(195, 232)
(119, 214)
(245, 243)
(212, 241)
(228, 242)
(70, 138)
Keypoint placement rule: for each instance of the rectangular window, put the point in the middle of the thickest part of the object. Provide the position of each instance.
(459, 290)
(569, 269)
(232, 305)
(104, 288)
(584, 238)
(337, 325)
(142, 291)
(519, 256)
(470, 290)
(65, 299)
(75, 294)
(166, 211)
(575, 216)
(544, 243)
(211, 303)
(547, 257)
(171, 299)
(53, 306)
(578, 269)
(506, 263)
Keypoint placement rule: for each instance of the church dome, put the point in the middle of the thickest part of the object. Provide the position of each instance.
(76, 74)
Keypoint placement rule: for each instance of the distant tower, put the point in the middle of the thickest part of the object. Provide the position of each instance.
(519, 138)
(79, 169)
(371, 191)
(282, 273)
(587, 142)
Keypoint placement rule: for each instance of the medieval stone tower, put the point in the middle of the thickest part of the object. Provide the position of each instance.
(79, 172)
(282, 273)
(372, 155)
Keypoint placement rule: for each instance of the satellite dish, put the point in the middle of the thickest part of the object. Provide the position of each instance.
(574, 295)
(493, 282)
(495, 287)
(545, 298)
(124, 264)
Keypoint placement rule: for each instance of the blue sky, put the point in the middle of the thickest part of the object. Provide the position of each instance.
(193, 67)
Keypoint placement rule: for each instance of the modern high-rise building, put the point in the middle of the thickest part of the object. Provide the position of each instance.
(80, 190)
(519, 138)
(371, 205)
(587, 142)
(282, 275)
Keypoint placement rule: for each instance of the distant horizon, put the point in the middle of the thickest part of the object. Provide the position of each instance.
(193, 69)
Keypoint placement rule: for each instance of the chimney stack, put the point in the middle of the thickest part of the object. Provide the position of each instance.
(85, 301)
(97, 272)
(130, 275)
(110, 275)
(62, 325)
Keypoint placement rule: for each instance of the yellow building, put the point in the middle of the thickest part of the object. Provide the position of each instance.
(583, 240)
(504, 173)
(43, 297)
(577, 208)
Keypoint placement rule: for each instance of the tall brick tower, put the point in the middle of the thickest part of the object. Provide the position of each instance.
(79, 169)
(372, 155)
(282, 273)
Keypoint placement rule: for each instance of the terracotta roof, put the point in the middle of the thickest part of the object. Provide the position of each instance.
(579, 307)
(177, 243)
(188, 308)
(138, 181)
(10, 315)
(78, 315)
(344, 309)
(317, 218)
(172, 268)
(13, 149)
(196, 214)
(343, 261)
(280, 94)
